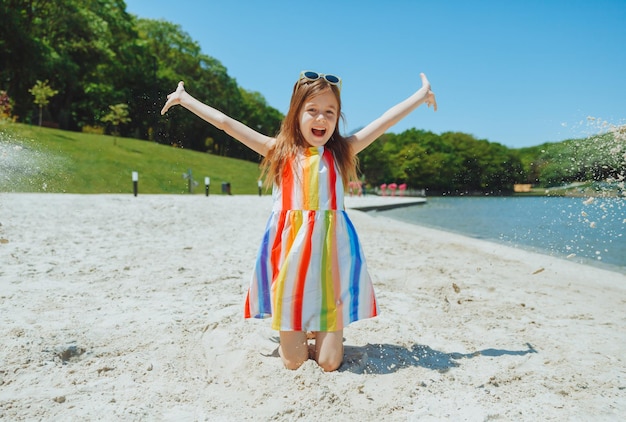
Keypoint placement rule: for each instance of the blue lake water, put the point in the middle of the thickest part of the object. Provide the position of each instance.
(578, 229)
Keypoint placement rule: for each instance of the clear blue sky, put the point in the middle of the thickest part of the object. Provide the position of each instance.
(515, 72)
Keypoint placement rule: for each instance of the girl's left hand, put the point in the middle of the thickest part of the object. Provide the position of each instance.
(430, 95)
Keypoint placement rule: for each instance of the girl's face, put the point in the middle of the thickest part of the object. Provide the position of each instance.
(318, 118)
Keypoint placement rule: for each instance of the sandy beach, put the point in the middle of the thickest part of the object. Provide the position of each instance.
(114, 307)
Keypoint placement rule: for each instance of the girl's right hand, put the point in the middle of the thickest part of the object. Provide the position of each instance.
(430, 95)
(174, 98)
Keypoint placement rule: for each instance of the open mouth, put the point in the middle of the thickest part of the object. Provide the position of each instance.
(318, 132)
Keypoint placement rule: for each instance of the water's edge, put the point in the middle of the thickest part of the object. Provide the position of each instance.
(420, 216)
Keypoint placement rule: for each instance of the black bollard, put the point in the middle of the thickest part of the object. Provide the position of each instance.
(207, 183)
(226, 188)
(135, 176)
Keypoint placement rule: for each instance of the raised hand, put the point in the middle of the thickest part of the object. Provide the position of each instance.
(430, 95)
(174, 97)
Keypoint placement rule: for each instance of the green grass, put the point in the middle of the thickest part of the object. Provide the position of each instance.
(34, 159)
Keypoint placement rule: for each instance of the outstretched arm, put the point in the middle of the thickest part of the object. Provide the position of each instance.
(363, 138)
(247, 136)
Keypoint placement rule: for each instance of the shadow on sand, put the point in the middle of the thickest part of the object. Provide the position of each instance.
(389, 358)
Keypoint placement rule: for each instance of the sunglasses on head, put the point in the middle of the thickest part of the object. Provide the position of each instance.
(309, 75)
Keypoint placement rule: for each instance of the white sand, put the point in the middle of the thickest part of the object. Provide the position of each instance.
(143, 298)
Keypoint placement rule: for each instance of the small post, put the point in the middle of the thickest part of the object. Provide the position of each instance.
(189, 180)
(207, 184)
(135, 176)
(260, 184)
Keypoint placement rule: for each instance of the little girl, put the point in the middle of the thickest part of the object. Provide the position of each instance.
(310, 273)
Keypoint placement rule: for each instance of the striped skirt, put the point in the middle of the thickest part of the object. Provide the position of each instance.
(310, 273)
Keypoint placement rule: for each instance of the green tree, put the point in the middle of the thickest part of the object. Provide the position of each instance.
(42, 92)
(96, 54)
(425, 160)
(87, 48)
(179, 57)
(257, 114)
(375, 161)
(22, 55)
(117, 115)
(451, 163)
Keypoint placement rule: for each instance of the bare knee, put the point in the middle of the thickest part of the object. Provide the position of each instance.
(293, 364)
(330, 363)
(292, 359)
(329, 350)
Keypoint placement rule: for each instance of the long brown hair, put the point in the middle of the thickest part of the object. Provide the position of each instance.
(290, 139)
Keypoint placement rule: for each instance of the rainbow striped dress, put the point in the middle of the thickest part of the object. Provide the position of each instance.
(310, 272)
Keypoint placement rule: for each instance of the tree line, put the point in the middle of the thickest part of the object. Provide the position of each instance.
(106, 70)
(95, 55)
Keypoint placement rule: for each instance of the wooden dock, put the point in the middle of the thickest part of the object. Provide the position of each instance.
(381, 203)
